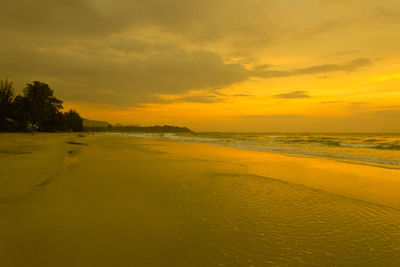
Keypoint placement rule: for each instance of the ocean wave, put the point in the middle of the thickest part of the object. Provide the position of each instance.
(384, 146)
(371, 143)
(356, 147)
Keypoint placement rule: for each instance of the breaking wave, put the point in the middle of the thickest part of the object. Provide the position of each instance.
(366, 148)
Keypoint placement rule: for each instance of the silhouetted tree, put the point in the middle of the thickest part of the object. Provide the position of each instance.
(43, 109)
(73, 122)
(21, 113)
(39, 110)
(6, 105)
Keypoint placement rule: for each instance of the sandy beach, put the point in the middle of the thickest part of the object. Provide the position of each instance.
(107, 200)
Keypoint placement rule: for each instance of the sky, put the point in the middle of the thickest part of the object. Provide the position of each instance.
(212, 65)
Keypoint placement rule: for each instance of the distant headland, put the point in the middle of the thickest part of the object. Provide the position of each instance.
(133, 128)
(103, 126)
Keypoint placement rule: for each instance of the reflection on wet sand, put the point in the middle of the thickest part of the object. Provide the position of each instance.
(124, 202)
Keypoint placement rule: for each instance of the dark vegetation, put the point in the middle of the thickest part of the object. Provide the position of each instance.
(140, 129)
(39, 110)
(36, 110)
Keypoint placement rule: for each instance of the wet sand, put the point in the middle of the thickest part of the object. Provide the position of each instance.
(114, 201)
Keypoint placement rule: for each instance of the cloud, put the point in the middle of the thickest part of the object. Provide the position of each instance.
(242, 95)
(261, 67)
(295, 94)
(105, 77)
(198, 21)
(324, 68)
(127, 71)
(200, 99)
(127, 52)
(121, 72)
(62, 17)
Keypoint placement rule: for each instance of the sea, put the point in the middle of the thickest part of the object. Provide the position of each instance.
(377, 149)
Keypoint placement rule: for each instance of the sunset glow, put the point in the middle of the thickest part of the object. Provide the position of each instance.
(315, 65)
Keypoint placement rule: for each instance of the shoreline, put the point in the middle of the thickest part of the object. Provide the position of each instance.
(366, 150)
(347, 178)
(125, 201)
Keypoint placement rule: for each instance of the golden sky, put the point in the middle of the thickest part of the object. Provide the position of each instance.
(213, 65)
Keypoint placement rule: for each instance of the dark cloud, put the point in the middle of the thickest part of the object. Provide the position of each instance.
(295, 94)
(200, 99)
(347, 66)
(62, 17)
(117, 71)
(261, 67)
(196, 20)
(103, 76)
(242, 95)
(128, 52)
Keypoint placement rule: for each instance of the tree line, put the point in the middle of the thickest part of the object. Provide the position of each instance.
(37, 109)
(139, 129)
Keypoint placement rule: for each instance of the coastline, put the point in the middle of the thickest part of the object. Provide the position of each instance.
(123, 201)
(350, 179)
